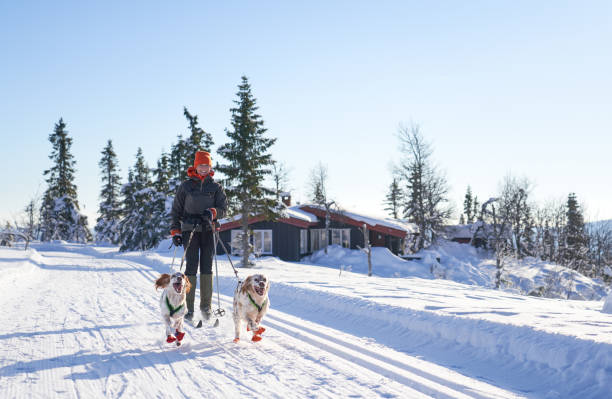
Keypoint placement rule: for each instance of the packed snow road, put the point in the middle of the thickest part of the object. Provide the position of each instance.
(77, 325)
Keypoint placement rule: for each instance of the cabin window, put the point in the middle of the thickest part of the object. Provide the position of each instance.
(303, 241)
(318, 239)
(341, 237)
(262, 241)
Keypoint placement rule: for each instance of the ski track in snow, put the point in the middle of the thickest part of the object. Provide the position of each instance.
(86, 327)
(81, 326)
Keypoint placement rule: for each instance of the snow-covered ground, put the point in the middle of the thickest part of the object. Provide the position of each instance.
(83, 321)
(466, 264)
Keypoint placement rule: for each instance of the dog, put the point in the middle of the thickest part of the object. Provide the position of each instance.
(172, 304)
(251, 303)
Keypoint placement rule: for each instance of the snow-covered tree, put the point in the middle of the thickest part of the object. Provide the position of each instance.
(163, 197)
(514, 208)
(499, 235)
(394, 198)
(60, 217)
(137, 230)
(426, 203)
(107, 226)
(31, 220)
(574, 252)
(600, 247)
(248, 163)
(468, 206)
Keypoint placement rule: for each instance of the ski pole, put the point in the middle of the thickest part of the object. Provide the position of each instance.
(230, 259)
(219, 312)
(187, 247)
(173, 256)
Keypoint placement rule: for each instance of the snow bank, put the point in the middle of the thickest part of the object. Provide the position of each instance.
(18, 264)
(582, 365)
(466, 264)
(607, 307)
(384, 262)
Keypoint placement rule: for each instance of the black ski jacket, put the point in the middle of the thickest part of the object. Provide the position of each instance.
(192, 198)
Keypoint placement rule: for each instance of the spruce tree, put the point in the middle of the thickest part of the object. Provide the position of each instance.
(394, 198)
(182, 152)
(476, 211)
(60, 208)
(575, 251)
(107, 226)
(177, 162)
(468, 204)
(162, 199)
(137, 228)
(198, 139)
(249, 162)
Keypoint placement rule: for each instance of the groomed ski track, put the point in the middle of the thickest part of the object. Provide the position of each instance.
(76, 325)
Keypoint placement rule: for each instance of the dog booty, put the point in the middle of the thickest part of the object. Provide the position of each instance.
(256, 338)
(170, 339)
(259, 331)
(179, 335)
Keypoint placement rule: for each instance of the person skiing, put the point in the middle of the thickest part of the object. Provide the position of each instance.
(198, 201)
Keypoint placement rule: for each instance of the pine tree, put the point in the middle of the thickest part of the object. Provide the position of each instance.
(182, 152)
(249, 162)
(177, 162)
(137, 229)
(476, 211)
(394, 198)
(163, 197)
(199, 139)
(60, 209)
(107, 226)
(468, 204)
(574, 253)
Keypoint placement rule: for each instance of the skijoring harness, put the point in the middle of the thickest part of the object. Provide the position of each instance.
(172, 309)
(259, 308)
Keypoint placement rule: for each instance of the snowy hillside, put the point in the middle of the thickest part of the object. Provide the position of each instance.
(82, 321)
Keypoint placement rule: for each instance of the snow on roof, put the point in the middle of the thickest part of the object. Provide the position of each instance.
(373, 220)
(297, 213)
(292, 212)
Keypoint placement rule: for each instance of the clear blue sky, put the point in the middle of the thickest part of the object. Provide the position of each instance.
(517, 86)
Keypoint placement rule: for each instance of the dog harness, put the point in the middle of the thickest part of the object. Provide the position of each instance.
(172, 309)
(255, 303)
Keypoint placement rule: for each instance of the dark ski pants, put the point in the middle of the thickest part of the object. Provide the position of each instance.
(200, 251)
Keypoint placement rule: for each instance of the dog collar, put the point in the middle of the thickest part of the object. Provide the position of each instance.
(255, 303)
(172, 309)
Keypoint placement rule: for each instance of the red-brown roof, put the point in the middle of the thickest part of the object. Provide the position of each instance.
(290, 220)
(339, 217)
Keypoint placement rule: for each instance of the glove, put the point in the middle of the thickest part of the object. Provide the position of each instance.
(177, 240)
(207, 215)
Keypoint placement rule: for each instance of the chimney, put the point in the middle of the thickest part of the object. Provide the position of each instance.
(286, 198)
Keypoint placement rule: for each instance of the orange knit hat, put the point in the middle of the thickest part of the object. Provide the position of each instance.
(202, 158)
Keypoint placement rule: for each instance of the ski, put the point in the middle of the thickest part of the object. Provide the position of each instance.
(200, 323)
(193, 323)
